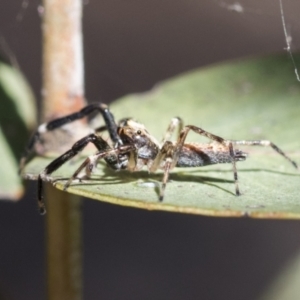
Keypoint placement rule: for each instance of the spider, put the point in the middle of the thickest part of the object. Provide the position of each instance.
(133, 147)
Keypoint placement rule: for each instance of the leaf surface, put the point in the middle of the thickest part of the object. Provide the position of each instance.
(242, 100)
(17, 115)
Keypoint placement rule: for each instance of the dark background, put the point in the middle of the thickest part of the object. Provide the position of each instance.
(133, 254)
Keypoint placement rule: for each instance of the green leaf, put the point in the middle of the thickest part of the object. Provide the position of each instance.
(243, 100)
(17, 115)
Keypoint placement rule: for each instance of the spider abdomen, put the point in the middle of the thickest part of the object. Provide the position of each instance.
(197, 155)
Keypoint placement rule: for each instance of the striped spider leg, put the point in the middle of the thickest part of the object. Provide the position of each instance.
(181, 154)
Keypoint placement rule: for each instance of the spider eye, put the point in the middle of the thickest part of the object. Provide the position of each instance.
(139, 132)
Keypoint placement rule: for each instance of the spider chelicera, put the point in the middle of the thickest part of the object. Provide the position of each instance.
(133, 147)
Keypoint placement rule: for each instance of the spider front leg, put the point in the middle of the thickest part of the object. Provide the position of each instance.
(164, 159)
(99, 143)
(265, 143)
(176, 122)
(111, 156)
(101, 108)
(166, 154)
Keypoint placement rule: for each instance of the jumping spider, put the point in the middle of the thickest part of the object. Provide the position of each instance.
(133, 147)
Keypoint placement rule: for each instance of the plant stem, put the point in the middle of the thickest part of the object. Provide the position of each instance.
(62, 58)
(63, 94)
(64, 257)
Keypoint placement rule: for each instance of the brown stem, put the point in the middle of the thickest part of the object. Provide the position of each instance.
(63, 241)
(63, 94)
(62, 58)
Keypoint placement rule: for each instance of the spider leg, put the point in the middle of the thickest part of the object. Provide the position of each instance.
(100, 129)
(90, 162)
(163, 159)
(265, 143)
(175, 122)
(57, 123)
(132, 160)
(226, 143)
(167, 169)
(166, 153)
(99, 143)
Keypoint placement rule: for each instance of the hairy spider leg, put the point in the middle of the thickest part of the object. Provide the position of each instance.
(170, 153)
(265, 143)
(102, 108)
(99, 143)
(104, 127)
(166, 155)
(175, 122)
(132, 160)
(226, 143)
(100, 129)
(90, 162)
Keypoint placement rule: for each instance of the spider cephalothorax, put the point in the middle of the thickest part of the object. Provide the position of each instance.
(136, 134)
